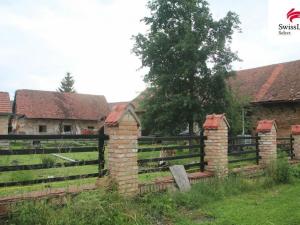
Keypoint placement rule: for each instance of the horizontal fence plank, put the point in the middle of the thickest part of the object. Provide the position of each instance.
(51, 137)
(241, 153)
(169, 158)
(49, 150)
(241, 145)
(166, 168)
(244, 138)
(166, 148)
(48, 180)
(284, 138)
(284, 145)
(242, 160)
(45, 166)
(174, 138)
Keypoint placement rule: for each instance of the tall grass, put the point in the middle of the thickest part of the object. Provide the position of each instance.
(102, 207)
(279, 172)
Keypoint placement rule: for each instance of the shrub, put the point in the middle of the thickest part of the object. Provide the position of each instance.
(295, 171)
(49, 161)
(278, 172)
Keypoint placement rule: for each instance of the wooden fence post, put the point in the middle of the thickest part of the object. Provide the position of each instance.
(122, 126)
(216, 144)
(267, 143)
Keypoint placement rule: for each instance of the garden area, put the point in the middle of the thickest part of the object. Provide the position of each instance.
(269, 199)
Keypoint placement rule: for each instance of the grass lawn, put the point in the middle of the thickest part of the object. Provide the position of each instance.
(278, 205)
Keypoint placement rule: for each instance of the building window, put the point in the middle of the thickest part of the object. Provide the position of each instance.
(91, 128)
(42, 129)
(67, 128)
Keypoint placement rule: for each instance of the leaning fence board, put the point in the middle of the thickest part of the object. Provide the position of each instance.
(48, 150)
(65, 158)
(45, 166)
(180, 177)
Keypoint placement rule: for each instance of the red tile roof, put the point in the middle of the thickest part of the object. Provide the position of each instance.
(213, 121)
(56, 105)
(116, 114)
(264, 126)
(278, 82)
(112, 104)
(5, 106)
(295, 129)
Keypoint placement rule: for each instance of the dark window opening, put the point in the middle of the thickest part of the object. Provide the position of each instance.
(67, 128)
(91, 128)
(42, 128)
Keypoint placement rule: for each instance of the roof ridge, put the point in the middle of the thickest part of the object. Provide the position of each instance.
(269, 65)
(58, 92)
(267, 85)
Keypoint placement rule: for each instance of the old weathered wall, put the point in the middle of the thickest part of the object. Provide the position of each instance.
(285, 114)
(4, 124)
(31, 126)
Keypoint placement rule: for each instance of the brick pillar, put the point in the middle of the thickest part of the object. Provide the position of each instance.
(216, 144)
(122, 126)
(4, 120)
(267, 145)
(296, 136)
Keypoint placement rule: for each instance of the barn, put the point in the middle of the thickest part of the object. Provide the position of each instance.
(273, 92)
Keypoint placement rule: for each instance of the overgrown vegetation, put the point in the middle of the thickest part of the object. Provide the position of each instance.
(48, 160)
(280, 172)
(215, 201)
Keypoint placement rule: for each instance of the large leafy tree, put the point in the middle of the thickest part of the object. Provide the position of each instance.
(188, 55)
(67, 84)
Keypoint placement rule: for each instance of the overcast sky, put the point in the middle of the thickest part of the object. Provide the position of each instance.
(42, 40)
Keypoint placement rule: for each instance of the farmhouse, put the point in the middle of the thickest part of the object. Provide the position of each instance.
(273, 92)
(5, 112)
(46, 112)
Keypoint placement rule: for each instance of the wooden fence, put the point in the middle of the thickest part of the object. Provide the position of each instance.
(188, 148)
(36, 148)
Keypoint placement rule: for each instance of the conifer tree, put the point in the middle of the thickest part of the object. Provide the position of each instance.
(67, 84)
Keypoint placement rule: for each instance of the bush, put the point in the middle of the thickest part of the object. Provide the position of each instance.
(49, 161)
(295, 171)
(278, 172)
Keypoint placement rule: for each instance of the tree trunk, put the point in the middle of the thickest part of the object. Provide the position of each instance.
(191, 131)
